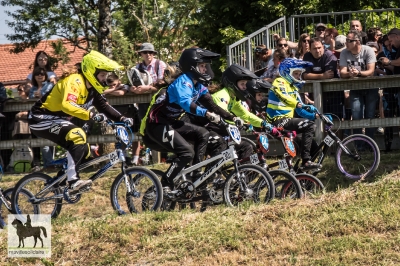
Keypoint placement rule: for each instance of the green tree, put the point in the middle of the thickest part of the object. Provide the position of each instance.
(83, 23)
(163, 23)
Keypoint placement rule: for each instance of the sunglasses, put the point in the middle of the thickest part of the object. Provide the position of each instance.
(350, 40)
(40, 74)
(42, 58)
(147, 52)
(320, 29)
(282, 44)
(305, 41)
(380, 35)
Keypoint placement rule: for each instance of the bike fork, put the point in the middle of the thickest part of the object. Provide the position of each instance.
(243, 185)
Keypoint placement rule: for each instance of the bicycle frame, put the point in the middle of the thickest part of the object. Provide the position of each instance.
(114, 157)
(3, 199)
(225, 157)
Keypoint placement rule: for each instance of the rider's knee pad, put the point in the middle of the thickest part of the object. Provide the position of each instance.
(76, 135)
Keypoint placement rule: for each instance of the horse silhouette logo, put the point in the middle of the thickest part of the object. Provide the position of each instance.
(24, 232)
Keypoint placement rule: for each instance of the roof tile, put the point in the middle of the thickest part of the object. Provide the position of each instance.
(17, 66)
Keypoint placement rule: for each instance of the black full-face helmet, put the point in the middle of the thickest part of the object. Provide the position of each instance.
(193, 56)
(232, 75)
(255, 86)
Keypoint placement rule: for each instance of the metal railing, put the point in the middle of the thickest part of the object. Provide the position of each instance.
(383, 18)
(242, 51)
(318, 87)
(16, 106)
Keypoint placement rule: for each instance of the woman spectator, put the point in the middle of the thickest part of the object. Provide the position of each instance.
(303, 45)
(42, 60)
(329, 38)
(40, 85)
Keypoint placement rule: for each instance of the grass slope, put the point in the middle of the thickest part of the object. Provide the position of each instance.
(352, 224)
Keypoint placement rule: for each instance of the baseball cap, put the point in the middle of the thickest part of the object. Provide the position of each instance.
(320, 25)
(372, 44)
(340, 43)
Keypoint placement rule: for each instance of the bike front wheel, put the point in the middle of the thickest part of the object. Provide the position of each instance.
(251, 184)
(45, 198)
(283, 179)
(5, 207)
(310, 185)
(358, 158)
(138, 191)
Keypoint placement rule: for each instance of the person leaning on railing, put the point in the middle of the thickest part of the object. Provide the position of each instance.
(358, 60)
(391, 63)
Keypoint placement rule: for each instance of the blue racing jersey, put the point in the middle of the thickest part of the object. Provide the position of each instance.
(180, 97)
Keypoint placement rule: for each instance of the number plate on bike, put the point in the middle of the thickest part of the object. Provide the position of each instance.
(113, 158)
(254, 159)
(329, 141)
(283, 164)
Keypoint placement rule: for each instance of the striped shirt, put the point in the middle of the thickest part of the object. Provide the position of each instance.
(151, 68)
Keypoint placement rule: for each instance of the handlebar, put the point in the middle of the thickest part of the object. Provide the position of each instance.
(324, 118)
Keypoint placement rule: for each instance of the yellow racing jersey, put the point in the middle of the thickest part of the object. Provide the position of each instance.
(70, 97)
(224, 100)
(282, 100)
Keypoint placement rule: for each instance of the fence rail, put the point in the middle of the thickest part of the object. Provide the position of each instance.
(317, 87)
(385, 18)
(241, 52)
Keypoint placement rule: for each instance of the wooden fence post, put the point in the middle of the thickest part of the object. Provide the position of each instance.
(317, 91)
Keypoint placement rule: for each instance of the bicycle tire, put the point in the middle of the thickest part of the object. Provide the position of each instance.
(167, 205)
(233, 195)
(290, 182)
(252, 143)
(18, 207)
(151, 191)
(310, 185)
(4, 210)
(365, 148)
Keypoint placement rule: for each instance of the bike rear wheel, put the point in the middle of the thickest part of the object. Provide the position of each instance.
(146, 191)
(290, 182)
(4, 210)
(364, 159)
(259, 184)
(310, 185)
(38, 185)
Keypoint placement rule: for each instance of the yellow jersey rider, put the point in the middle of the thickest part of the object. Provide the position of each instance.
(284, 99)
(73, 94)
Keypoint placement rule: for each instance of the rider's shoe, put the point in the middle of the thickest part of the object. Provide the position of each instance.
(310, 165)
(79, 185)
(166, 185)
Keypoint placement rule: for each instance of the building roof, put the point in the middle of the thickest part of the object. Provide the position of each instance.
(16, 67)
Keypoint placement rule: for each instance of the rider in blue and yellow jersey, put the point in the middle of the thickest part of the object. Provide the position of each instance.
(284, 100)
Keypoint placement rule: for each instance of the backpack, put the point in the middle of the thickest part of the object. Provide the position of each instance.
(21, 159)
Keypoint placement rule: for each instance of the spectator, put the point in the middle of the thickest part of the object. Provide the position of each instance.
(115, 87)
(320, 31)
(282, 44)
(324, 67)
(303, 45)
(361, 64)
(42, 60)
(263, 56)
(356, 25)
(374, 34)
(40, 85)
(329, 38)
(393, 64)
(273, 71)
(156, 68)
